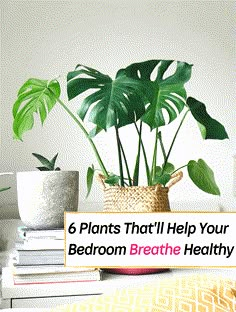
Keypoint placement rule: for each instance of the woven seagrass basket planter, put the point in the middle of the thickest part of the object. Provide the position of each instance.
(138, 199)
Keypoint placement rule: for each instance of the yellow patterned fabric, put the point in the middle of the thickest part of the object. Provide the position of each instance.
(198, 293)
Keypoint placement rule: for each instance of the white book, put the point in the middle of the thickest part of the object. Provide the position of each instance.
(60, 277)
(39, 244)
(25, 233)
(38, 257)
(42, 269)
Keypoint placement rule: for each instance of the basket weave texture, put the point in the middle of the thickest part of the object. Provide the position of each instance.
(136, 199)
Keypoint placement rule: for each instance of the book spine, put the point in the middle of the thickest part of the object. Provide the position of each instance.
(40, 244)
(27, 233)
(43, 269)
(57, 278)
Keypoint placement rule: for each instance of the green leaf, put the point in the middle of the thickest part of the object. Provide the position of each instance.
(203, 177)
(48, 165)
(163, 174)
(162, 93)
(94, 132)
(43, 169)
(53, 161)
(209, 127)
(35, 96)
(44, 161)
(163, 179)
(90, 175)
(112, 179)
(115, 102)
(158, 171)
(4, 189)
(169, 168)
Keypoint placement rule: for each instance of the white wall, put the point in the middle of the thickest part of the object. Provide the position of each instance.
(46, 39)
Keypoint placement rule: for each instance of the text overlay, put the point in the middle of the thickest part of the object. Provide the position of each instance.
(170, 239)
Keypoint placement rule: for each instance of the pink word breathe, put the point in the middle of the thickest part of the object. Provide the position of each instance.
(164, 249)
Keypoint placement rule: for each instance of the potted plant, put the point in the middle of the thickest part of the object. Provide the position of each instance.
(140, 94)
(44, 195)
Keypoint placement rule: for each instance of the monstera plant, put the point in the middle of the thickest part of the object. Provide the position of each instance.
(150, 93)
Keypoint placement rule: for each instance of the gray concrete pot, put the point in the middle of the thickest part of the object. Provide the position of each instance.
(43, 196)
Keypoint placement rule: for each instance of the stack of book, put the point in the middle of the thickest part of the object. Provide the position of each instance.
(39, 258)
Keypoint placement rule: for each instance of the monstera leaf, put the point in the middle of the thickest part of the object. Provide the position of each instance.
(110, 103)
(35, 96)
(164, 93)
(203, 176)
(209, 127)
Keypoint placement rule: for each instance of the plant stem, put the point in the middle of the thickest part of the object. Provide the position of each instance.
(179, 169)
(154, 158)
(136, 168)
(162, 145)
(119, 157)
(126, 163)
(173, 141)
(100, 162)
(145, 157)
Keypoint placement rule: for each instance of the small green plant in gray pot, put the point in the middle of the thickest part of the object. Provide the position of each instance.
(44, 195)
